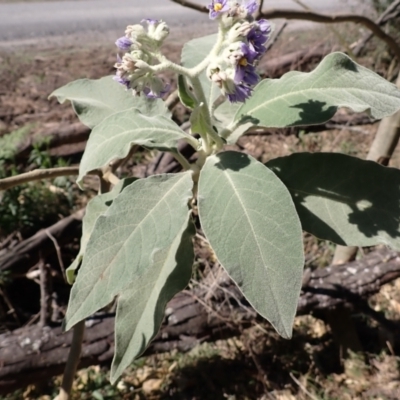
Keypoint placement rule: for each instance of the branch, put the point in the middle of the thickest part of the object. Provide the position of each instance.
(332, 19)
(193, 6)
(36, 175)
(315, 17)
(389, 13)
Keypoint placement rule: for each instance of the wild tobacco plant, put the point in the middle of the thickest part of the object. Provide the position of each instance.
(137, 239)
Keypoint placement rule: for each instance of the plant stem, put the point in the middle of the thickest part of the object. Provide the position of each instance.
(72, 362)
(205, 113)
(182, 160)
(198, 69)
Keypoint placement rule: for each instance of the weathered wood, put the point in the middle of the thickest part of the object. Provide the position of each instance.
(20, 258)
(214, 309)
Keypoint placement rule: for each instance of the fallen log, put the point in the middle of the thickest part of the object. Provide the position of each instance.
(20, 258)
(212, 310)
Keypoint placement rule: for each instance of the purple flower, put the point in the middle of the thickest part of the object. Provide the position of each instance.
(241, 93)
(150, 21)
(258, 36)
(246, 74)
(124, 43)
(122, 81)
(151, 93)
(251, 6)
(218, 7)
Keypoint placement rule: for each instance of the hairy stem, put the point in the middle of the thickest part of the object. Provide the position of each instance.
(206, 116)
(182, 160)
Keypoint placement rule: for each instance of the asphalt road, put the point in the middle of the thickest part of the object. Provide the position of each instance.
(21, 21)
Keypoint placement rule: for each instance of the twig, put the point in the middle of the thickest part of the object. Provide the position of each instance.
(58, 251)
(385, 17)
(194, 6)
(331, 19)
(276, 36)
(72, 362)
(260, 7)
(302, 387)
(10, 306)
(45, 297)
(36, 175)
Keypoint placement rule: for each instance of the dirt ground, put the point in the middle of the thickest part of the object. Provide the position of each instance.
(257, 364)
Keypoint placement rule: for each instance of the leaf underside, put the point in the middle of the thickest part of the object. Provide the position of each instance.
(141, 251)
(114, 137)
(154, 204)
(249, 218)
(343, 199)
(96, 207)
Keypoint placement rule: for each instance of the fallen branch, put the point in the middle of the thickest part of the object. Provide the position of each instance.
(392, 12)
(25, 254)
(214, 309)
(37, 175)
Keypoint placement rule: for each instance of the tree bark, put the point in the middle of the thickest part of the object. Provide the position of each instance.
(214, 309)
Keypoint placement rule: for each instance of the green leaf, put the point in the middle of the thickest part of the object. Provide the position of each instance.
(127, 241)
(343, 199)
(140, 310)
(94, 100)
(193, 53)
(249, 218)
(224, 115)
(96, 207)
(114, 137)
(185, 96)
(313, 98)
(226, 112)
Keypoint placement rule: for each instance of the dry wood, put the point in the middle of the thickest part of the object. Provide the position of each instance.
(392, 12)
(21, 257)
(214, 309)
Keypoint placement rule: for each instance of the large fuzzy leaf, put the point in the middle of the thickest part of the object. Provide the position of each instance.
(115, 135)
(143, 223)
(96, 207)
(343, 199)
(141, 307)
(94, 100)
(313, 98)
(249, 218)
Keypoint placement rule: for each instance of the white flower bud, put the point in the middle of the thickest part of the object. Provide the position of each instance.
(238, 31)
(161, 31)
(135, 31)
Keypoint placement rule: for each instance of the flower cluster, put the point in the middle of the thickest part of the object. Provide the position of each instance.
(234, 70)
(134, 67)
(232, 9)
